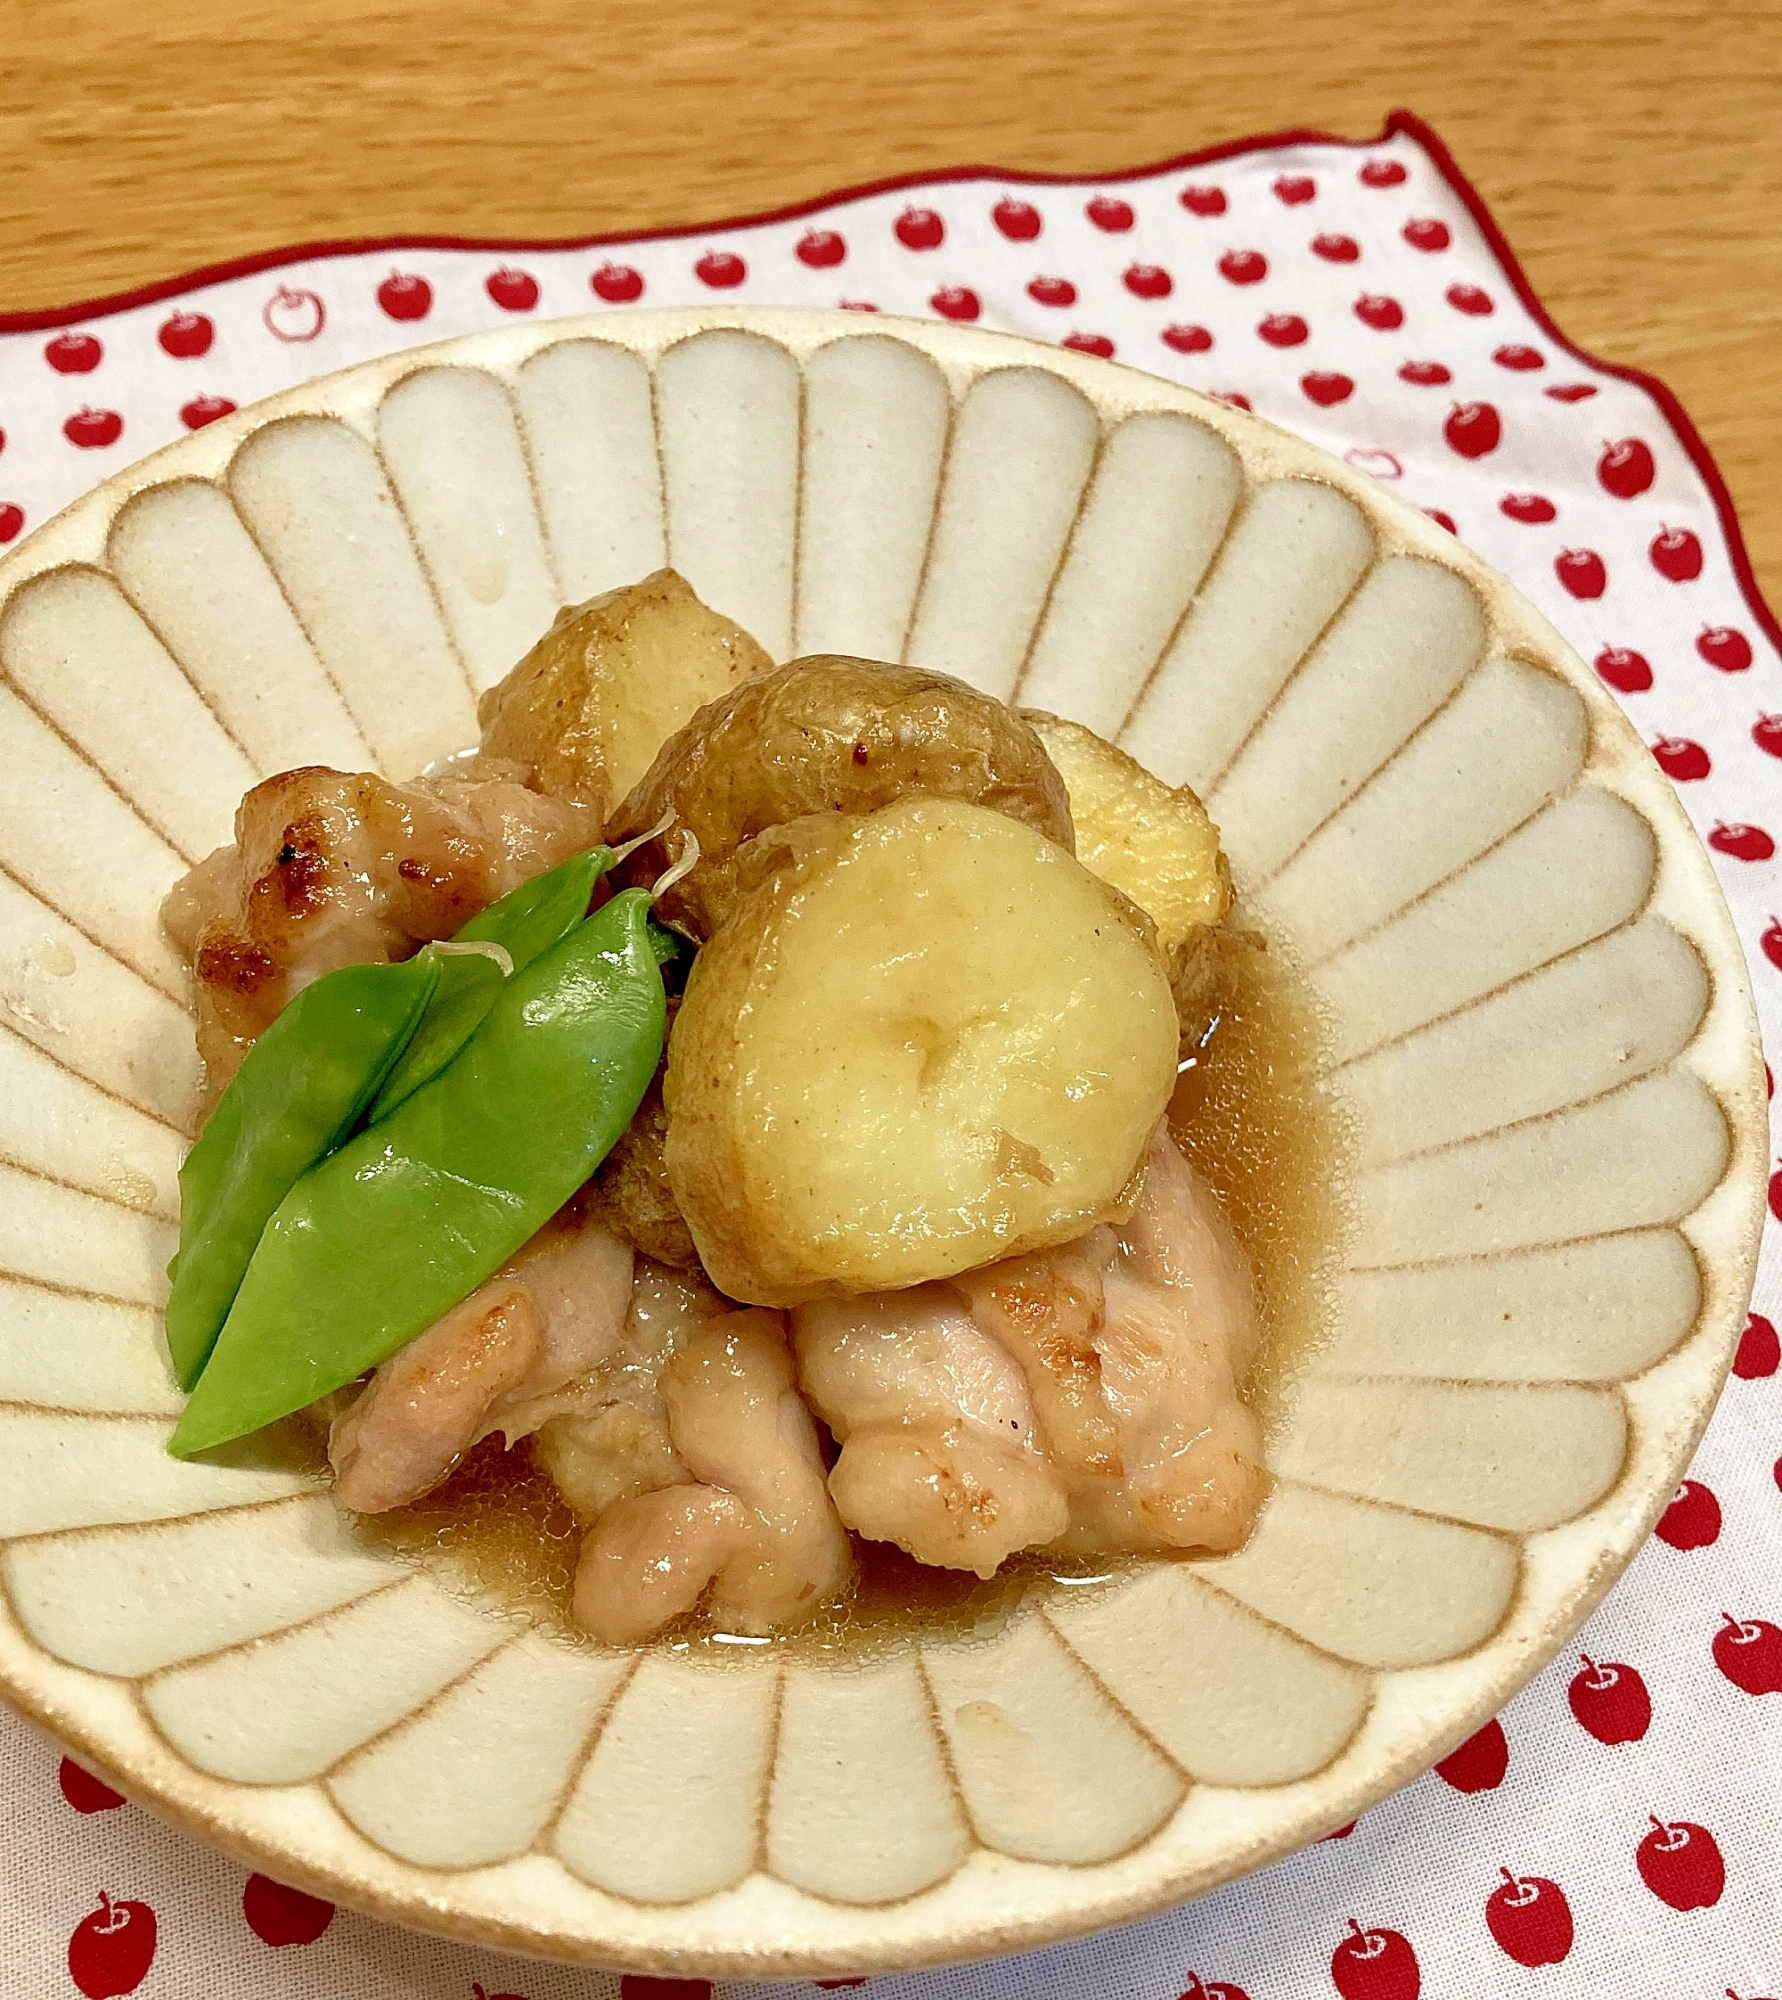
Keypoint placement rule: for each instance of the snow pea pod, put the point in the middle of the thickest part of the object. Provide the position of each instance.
(524, 923)
(375, 1243)
(300, 1089)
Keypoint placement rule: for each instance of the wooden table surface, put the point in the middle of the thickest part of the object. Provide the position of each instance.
(1632, 149)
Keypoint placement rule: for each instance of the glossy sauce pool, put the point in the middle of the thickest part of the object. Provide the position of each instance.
(1250, 1116)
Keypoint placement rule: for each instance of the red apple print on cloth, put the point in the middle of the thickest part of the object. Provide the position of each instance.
(1052, 292)
(1626, 468)
(835, 1985)
(1108, 212)
(84, 1792)
(1480, 1762)
(92, 429)
(721, 270)
(513, 291)
(1375, 1965)
(281, 1916)
(1582, 571)
(1748, 1651)
(1380, 173)
(1090, 343)
(404, 295)
(1530, 1919)
(1147, 281)
(1766, 733)
(186, 335)
(616, 284)
(293, 315)
(956, 302)
(1520, 360)
(1282, 330)
(640, 1986)
(821, 248)
(111, 1951)
(1692, 1520)
(1471, 300)
(1570, 392)
(1294, 189)
(1325, 386)
(74, 353)
(1197, 339)
(1681, 761)
(1741, 840)
(1610, 1700)
(1019, 221)
(1215, 1989)
(1426, 232)
(1443, 519)
(1473, 429)
(1772, 950)
(1626, 671)
(1342, 1832)
(1424, 374)
(1677, 554)
(1382, 313)
(1336, 249)
(1532, 507)
(1725, 647)
(480, 1992)
(12, 519)
(920, 229)
(1203, 200)
(1376, 464)
(1760, 1352)
(1243, 267)
(202, 410)
(1239, 401)
(1680, 1863)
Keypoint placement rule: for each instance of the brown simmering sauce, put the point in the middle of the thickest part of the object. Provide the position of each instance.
(1254, 1122)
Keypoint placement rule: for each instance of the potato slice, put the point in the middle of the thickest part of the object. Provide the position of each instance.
(1158, 845)
(827, 734)
(930, 1041)
(1154, 843)
(595, 699)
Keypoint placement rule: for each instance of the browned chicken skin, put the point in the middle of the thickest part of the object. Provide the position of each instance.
(332, 868)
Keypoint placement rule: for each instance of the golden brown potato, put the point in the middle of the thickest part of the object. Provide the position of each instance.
(1158, 845)
(932, 1039)
(590, 705)
(826, 734)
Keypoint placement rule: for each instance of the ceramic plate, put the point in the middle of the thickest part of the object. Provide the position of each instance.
(1537, 1022)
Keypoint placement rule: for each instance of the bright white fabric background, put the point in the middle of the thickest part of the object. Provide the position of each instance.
(1357, 295)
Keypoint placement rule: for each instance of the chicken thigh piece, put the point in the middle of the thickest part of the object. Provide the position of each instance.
(503, 1359)
(941, 1451)
(754, 1524)
(1081, 1399)
(332, 868)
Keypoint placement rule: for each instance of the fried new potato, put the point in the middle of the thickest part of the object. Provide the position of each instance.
(932, 1039)
(827, 734)
(1157, 844)
(589, 706)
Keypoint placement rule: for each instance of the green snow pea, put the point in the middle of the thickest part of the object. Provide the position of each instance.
(528, 921)
(410, 1216)
(300, 1089)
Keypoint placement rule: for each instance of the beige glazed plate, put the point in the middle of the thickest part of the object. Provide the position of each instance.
(1536, 1021)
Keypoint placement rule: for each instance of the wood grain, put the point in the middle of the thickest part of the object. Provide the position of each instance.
(1628, 147)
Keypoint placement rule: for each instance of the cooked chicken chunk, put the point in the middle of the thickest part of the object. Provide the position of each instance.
(501, 1360)
(1082, 1398)
(755, 1524)
(940, 1449)
(332, 868)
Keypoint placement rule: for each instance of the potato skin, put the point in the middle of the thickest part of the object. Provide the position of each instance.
(585, 711)
(824, 735)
